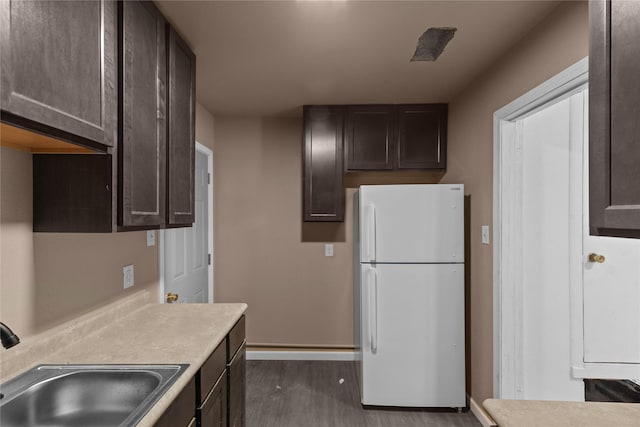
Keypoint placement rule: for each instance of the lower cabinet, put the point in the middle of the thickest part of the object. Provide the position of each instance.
(216, 395)
(237, 388)
(180, 412)
(213, 412)
(221, 384)
(236, 374)
(211, 390)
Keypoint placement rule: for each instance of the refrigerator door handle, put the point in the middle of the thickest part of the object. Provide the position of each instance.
(371, 233)
(373, 310)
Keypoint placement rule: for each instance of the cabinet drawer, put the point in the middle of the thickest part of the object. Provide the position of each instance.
(210, 372)
(213, 412)
(181, 410)
(236, 338)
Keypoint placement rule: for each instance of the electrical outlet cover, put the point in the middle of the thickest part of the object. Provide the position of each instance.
(127, 276)
(151, 237)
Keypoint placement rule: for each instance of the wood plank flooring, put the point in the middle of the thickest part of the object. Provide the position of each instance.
(310, 394)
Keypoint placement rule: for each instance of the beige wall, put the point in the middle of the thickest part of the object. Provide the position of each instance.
(204, 126)
(16, 242)
(47, 278)
(265, 255)
(558, 42)
(295, 294)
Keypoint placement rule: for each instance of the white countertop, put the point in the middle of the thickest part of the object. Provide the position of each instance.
(151, 334)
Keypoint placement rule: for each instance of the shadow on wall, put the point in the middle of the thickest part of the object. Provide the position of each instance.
(323, 232)
(467, 288)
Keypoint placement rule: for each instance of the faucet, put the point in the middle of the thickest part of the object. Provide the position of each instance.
(9, 339)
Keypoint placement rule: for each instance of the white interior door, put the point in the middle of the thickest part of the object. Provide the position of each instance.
(186, 253)
(413, 335)
(549, 151)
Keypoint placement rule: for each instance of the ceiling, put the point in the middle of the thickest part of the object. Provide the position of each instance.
(261, 58)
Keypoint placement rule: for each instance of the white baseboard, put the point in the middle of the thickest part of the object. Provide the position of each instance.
(302, 355)
(482, 415)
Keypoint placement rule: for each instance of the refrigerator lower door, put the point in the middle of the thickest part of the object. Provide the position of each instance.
(412, 335)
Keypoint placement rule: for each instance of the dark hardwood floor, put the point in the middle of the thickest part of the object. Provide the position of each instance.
(311, 394)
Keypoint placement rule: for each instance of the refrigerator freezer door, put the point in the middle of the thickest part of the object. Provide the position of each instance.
(412, 223)
(412, 337)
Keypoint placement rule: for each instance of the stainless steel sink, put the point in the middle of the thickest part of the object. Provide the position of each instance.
(84, 395)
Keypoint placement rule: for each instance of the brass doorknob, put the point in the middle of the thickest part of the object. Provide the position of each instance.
(172, 297)
(596, 258)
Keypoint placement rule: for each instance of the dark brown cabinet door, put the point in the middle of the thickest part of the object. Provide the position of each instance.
(214, 410)
(422, 136)
(237, 388)
(182, 409)
(369, 137)
(614, 113)
(181, 131)
(142, 118)
(323, 197)
(59, 69)
(72, 193)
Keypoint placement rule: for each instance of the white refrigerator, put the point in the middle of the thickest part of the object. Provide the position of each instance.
(409, 295)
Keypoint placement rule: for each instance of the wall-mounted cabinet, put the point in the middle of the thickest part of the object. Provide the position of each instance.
(614, 109)
(142, 149)
(369, 138)
(181, 135)
(395, 137)
(59, 69)
(323, 197)
(422, 136)
(146, 171)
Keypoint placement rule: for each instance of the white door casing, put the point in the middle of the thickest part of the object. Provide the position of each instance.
(508, 225)
(185, 265)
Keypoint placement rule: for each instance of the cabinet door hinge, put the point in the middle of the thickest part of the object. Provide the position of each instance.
(209, 258)
(208, 178)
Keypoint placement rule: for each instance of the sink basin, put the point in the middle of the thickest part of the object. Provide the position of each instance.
(84, 395)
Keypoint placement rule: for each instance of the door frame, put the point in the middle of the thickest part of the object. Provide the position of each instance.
(507, 226)
(162, 241)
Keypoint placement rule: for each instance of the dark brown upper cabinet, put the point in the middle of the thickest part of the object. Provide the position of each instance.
(181, 131)
(395, 137)
(146, 180)
(323, 197)
(59, 69)
(142, 125)
(369, 137)
(366, 138)
(422, 136)
(614, 112)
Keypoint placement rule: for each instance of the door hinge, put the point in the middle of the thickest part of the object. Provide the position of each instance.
(208, 178)
(209, 258)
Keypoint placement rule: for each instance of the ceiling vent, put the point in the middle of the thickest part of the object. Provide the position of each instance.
(432, 42)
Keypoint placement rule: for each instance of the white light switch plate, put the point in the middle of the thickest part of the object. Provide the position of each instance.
(151, 237)
(328, 249)
(485, 234)
(127, 276)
